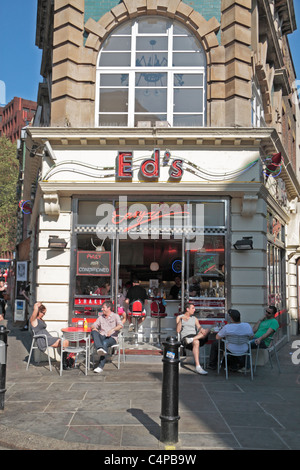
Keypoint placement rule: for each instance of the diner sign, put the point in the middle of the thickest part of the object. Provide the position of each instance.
(93, 263)
(87, 301)
(149, 168)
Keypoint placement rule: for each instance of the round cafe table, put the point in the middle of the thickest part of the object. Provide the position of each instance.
(87, 338)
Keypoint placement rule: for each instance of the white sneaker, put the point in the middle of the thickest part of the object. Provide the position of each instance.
(98, 370)
(101, 352)
(201, 371)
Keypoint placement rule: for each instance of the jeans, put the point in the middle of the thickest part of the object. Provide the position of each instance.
(103, 342)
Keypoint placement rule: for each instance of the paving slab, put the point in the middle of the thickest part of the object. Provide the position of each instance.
(119, 410)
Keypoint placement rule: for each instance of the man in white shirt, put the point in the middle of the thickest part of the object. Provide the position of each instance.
(105, 332)
(235, 327)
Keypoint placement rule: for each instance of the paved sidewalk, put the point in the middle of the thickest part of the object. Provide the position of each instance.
(120, 409)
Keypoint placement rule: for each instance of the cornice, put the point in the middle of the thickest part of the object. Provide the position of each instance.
(206, 136)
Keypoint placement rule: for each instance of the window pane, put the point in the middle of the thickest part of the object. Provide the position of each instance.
(115, 59)
(159, 59)
(179, 29)
(187, 43)
(124, 29)
(185, 59)
(151, 44)
(118, 44)
(153, 25)
(153, 100)
(150, 79)
(113, 120)
(188, 100)
(185, 79)
(149, 117)
(188, 120)
(114, 79)
(113, 100)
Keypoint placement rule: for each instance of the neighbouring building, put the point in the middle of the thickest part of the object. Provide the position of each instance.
(169, 141)
(17, 114)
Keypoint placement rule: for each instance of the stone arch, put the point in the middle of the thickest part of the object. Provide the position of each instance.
(204, 30)
(74, 62)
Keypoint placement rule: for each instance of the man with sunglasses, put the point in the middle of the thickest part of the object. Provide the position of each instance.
(264, 330)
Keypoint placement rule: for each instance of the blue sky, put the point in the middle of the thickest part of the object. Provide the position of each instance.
(20, 59)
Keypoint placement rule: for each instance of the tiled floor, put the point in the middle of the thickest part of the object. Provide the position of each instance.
(120, 409)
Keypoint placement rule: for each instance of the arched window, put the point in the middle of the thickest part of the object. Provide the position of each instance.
(151, 69)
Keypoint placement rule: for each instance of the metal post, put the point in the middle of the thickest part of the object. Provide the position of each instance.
(169, 404)
(3, 360)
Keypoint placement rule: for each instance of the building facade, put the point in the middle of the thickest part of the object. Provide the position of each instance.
(17, 114)
(168, 133)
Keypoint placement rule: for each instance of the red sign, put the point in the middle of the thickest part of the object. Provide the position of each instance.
(93, 263)
(85, 302)
(150, 168)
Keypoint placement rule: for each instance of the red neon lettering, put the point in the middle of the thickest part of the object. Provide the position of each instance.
(142, 217)
(150, 167)
(124, 165)
(176, 170)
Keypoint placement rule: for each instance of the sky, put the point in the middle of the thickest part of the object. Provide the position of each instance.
(20, 58)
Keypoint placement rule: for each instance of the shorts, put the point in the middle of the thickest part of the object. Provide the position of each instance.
(189, 346)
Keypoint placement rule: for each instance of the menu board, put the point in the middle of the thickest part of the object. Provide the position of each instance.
(206, 264)
(93, 263)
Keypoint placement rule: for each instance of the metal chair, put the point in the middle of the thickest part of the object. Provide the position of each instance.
(78, 342)
(34, 346)
(118, 346)
(184, 351)
(238, 340)
(136, 312)
(158, 311)
(271, 349)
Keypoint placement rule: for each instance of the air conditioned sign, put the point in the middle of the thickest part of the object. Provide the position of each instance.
(149, 168)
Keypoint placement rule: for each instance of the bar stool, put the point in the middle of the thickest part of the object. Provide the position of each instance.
(136, 312)
(158, 311)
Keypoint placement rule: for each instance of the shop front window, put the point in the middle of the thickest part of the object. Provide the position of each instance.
(152, 69)
(156, 242)
(275, 261)
(93, 274)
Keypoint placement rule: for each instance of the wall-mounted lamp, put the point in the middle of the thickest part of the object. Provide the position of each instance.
(55, 242)
(46, 149)
(245, 244)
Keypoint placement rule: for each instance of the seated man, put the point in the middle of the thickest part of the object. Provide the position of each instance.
(104, 332)
(264, 330)
(235, 327)
(136, 292)
(192, 334)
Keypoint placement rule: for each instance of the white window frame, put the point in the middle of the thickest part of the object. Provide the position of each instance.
(258, 115)
(171, 72)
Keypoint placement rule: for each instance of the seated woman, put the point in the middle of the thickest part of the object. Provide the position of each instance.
(39, 327)
(192, 335)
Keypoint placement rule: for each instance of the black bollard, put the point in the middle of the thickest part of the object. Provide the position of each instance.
(3, 360)
(170, 385)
